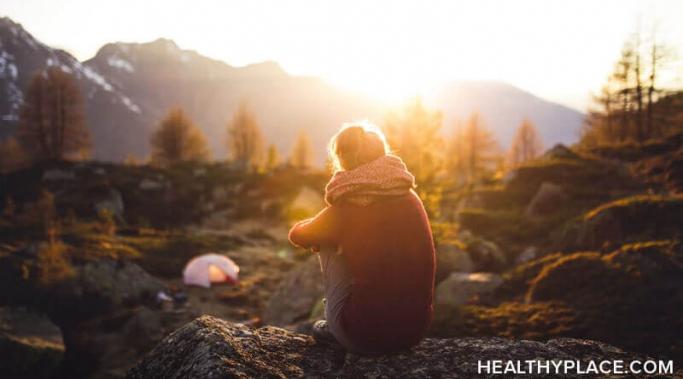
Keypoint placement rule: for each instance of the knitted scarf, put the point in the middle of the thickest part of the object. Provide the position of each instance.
(385, 176)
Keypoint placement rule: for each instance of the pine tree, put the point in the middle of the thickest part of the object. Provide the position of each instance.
(51, 123)
(178, 140)
(245, 139)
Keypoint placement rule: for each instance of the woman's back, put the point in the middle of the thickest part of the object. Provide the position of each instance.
(389, 251)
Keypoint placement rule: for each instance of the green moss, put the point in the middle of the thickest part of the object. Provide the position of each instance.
(511, 320)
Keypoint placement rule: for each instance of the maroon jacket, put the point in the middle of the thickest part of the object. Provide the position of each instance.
(390, 253)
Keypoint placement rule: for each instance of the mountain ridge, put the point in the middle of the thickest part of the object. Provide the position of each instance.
(129, 86)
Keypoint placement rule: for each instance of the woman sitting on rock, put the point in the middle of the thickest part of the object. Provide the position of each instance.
(375, 248)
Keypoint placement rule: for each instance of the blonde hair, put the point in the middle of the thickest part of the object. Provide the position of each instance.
(356, 144)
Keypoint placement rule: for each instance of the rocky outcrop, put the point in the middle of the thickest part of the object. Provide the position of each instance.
(560, 151)
(297, 294)
(632, 219)
(486, 255)
(451, 258)
(97, 305)
(546, 201)
(212, 348)
(462, 288)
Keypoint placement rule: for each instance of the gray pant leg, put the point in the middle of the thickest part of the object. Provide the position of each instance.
(337, 283)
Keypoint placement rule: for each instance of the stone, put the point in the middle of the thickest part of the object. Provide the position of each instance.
(547, 200)
(117, 283)
(110, 200)
(297, 294)
(57, 174)
(31, 345)
(212, 348)
(463, 288)
(451, 258)
(150, 185)
(560, 151)
(486, 255)
(307, 201)
(527, 255)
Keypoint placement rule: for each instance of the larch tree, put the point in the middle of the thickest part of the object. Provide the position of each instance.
(245, 139)
(627, 108)
(12, 155)
(178, 140)
(414, 134)
(51, 121)
(272, 157)
(526, 145)
(302, 152)
(474, 151)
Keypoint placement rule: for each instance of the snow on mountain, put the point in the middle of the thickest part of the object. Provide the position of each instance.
(129, 87)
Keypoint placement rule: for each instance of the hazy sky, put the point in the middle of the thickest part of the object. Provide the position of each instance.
(391, 49)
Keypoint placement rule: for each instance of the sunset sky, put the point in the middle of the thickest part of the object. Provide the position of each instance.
(390, 49)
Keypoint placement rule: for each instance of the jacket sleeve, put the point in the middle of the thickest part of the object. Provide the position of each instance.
(317, 231)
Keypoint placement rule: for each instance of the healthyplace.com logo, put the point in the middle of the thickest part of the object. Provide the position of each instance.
(557, 367)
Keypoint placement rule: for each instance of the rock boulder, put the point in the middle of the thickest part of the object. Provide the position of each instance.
(211, 348)
(297, 295)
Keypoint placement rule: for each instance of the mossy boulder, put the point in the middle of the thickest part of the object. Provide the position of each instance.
(632, 219)
(631, 297)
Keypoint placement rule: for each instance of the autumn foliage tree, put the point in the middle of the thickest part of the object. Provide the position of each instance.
(473, 151)
(178, 140)
(627, 107)
(51, 121)
(414, 134)
(302, 152)
(12, 155)
(526, 145)
(245, 139)
(272, 157)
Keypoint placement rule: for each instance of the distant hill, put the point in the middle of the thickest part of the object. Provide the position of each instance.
(129, 86)
(504, 107)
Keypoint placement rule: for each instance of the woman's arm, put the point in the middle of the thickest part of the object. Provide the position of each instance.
(316, 231)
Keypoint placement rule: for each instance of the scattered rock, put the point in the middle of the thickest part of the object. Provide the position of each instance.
(627, 297)
(547, 200)
(297, 294)
(560, 151)
(307, 201)
(29, 357)
(451, 258)
(212, 348)
(526, 255)
(463, 288)
(219, 194)
(57, 174)
(110, 200)
(509, 177)
(150, 185)
(486, 255)
(117, 283)
(632, 219)
(30, 345)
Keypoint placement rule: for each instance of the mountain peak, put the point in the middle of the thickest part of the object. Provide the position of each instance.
(163, 43)
(265, 68)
